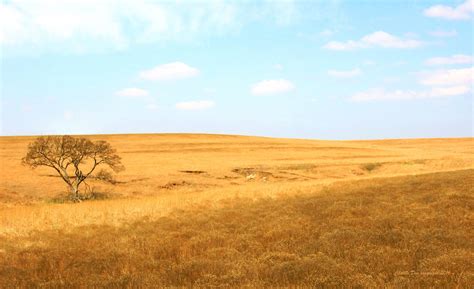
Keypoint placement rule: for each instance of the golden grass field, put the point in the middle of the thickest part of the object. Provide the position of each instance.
(233, 211)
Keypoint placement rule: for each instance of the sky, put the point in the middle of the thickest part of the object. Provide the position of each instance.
(300, 69)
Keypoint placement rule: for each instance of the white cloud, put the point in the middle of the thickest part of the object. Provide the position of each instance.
(132, 92)
(386, 40)
(454, 59)
(463, 11)
(195, 105)
(138, 94)
(274, 86)
(441, 83)
(83, 25)
(448, 77)
(378, 94)
(345, 73)
(444, 33)
(11, 18)
(376, 39)
(33, 22)
(170, 71)
(450, 90)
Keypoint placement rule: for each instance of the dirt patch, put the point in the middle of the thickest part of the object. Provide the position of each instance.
(298, 176)
(137, 180)
(176, 184)
(416, 162)
(298, 167)
(227, 178)
(253, 174)
(193, 172)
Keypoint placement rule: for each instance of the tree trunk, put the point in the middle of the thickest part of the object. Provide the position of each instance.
(75, 191)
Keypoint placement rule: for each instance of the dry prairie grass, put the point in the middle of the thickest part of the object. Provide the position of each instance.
(402, 232)
(231, 211)
(153, 162)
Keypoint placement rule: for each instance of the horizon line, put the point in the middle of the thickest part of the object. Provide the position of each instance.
(235, 135)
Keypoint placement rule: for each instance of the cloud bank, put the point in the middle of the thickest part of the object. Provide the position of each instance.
(463, 11)
(84, 25)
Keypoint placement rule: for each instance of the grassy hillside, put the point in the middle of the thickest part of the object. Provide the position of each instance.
(400, 232)
(158, 164)
(233, 211)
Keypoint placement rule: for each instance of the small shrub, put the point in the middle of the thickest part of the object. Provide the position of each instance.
(371, 166)
(59, 199)
(96, 196)
(105, 176)
(92, 195)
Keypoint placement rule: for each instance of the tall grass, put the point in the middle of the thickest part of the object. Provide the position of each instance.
(404, 232)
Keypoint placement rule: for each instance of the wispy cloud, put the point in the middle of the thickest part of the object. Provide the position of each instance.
(448, 77)
(133, 92)
(83, 25)
(35, 22)
(463, 11)
(195, 105)
(345, 73)
(138, 94)
(270, 87)
(444, 33)
(169, 71)
(454, 59)
(379, 94)
(438, 84)
(377, 39)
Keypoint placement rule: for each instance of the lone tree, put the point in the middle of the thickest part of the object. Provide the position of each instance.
(73, 158)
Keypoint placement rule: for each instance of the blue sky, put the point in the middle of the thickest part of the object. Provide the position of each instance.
(312, 69)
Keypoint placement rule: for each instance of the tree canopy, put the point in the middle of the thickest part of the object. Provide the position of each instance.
(73, 158)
